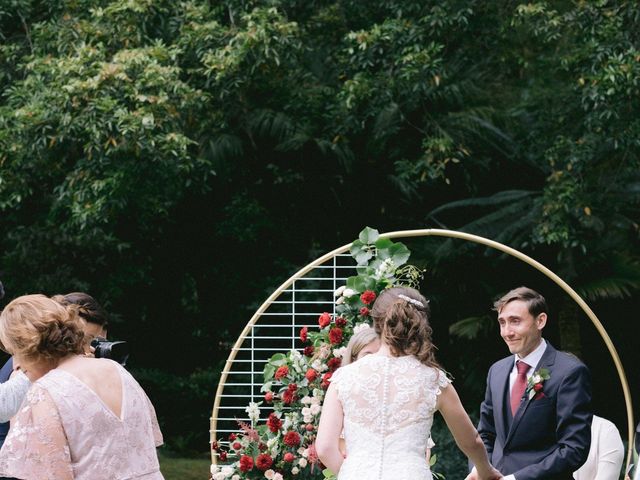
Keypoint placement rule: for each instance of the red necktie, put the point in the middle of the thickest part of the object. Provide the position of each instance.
(519, 386)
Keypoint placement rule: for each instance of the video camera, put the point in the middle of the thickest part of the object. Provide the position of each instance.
(117, 351)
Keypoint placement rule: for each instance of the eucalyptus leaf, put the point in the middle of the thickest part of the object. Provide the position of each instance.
(368, 236)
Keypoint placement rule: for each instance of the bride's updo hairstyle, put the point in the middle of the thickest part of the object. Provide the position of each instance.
(40, 329)
(401, 318)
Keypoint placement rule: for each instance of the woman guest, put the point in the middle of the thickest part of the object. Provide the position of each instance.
(362, 343)
(386, 401)
(83, 418)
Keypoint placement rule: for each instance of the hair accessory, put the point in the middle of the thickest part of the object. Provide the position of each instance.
(412, 301)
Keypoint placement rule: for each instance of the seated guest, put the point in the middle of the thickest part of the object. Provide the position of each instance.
(83, 418)
(606, 453)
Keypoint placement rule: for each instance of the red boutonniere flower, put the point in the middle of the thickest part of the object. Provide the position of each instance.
(535, 383)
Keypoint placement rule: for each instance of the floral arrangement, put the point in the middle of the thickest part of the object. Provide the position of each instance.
(282, 445)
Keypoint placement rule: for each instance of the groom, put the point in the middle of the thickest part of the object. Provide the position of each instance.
(535, 419)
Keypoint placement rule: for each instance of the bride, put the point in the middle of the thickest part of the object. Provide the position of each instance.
(386, 401)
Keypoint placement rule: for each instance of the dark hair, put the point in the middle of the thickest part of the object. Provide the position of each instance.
(404, 324)
(535, 302)
(88, 308)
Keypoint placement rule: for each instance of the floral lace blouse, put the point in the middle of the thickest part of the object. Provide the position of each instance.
(64, 431)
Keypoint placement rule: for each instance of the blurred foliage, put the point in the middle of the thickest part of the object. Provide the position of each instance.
(180, 159)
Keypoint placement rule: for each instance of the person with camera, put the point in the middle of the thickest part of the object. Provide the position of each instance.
(83, 418)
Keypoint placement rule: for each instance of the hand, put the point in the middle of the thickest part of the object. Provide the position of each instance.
(491, 474)
(473, 475)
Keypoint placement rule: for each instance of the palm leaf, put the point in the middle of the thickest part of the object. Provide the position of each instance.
(471, 327)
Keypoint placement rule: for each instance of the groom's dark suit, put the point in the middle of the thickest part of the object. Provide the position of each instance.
(549, 436)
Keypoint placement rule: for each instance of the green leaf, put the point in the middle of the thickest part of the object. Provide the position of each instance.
(269, 372)
(383, 243)
(399, 254)
(369, 236)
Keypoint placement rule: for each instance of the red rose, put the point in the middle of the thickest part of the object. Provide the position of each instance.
(215, 446)
(274, 423)
(341, 322)
(311, 375)
(324, 320)
(262, 446)
(288, 397)
(292, 387)
(325, 380)
(537, 387)
(364, 311)
(223, 456)
(335, 335)
(309, 427)
(232, 437)
(268, 397)
(282, 372)
(289, 457)
(246, 463)
(303, 334)
(264, 461)
(308, 350)
(368, 297)
(291, 439)
(334, 364)
(236, 445)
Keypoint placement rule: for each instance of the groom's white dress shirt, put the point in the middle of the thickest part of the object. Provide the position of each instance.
(532, 360)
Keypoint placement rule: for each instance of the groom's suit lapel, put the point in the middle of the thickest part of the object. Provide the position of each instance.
(547, 361)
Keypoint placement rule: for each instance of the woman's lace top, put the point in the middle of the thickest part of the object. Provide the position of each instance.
(12, 394)
(65, 431)
(388, 405)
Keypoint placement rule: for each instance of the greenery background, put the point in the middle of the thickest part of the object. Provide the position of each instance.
(180, 159)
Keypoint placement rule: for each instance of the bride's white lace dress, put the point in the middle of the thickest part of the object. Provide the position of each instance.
(388, 405)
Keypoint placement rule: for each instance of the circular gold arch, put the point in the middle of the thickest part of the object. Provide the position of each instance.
(450, 234)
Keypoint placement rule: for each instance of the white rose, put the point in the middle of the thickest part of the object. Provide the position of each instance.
(348, 292)
(536, 379)
(339, 352)
(340, 301)
(227, 471)
(295, 470)
(219, 476)
(360, 327)
(339, 291)
(306, 411)
(315, 409)
(308, 419)
(235, 477)
(269, 474)
(306, 400)
(300, 450)
(302, 462)
(277, 476)
(213, 469)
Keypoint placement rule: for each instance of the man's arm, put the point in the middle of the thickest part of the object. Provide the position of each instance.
(573, 428)
(486, 425)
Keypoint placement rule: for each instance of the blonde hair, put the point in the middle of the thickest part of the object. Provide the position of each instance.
(401, 318)
(39, 328)
(356, 343)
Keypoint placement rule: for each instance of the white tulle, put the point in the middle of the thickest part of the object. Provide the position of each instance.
(388, 405)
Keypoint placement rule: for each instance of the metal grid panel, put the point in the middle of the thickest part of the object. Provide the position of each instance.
(275, 329)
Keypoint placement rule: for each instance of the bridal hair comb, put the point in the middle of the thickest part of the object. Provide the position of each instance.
(412, 301)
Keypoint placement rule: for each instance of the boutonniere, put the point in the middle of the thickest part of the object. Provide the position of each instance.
(536, 382)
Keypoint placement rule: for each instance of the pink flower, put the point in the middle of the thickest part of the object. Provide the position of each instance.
(289, 457)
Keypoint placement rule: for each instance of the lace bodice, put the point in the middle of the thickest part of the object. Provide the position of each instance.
(388, 405)
(64, 431)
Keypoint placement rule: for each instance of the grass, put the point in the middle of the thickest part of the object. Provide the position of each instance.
(173, 468)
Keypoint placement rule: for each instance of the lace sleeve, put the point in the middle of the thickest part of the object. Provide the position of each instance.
(337, 379)
(442, 382)
(12, 394)
(37, 446)
(157, 434)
